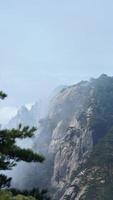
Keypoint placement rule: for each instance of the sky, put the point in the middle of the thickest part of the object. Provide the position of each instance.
(47, 43)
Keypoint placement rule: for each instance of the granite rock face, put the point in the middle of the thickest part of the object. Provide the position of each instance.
(77, 119)
(64, 135)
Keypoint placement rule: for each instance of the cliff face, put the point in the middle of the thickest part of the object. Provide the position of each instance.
(79, 116)
(71, 141)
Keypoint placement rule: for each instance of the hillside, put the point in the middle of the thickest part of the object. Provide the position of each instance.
(82, 115)
(76, 140)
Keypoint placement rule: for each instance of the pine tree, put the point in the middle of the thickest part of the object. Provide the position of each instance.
(10, 153)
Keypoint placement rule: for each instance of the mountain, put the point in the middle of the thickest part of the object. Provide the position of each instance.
(56, 91)
(78, 118)
(76, 138)
(25, 117)
(98, 172)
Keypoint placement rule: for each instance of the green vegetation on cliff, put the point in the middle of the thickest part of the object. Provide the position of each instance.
(99, 171)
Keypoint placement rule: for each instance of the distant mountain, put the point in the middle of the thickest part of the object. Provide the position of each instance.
(25, 117)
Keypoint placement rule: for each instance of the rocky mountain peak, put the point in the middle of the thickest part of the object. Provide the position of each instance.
(22, 110)
(79, 117)
(25, 117)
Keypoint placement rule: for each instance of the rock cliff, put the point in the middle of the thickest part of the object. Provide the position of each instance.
(79, 116)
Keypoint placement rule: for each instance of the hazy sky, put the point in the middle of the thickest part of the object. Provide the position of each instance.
(46, 43)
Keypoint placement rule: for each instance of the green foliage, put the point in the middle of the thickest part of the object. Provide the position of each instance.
(99, 174)
(36, 193)
(4, 181)
(10, 154)
(99, 167)
(6, 195)
(100, 102)
(103, 152)
(2, 95)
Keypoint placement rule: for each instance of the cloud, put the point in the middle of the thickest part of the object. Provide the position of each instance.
(6, 113)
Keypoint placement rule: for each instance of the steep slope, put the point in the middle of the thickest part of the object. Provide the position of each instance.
(79, 116)
(98, 174)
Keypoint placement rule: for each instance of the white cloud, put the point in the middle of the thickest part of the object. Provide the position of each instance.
(6, 113)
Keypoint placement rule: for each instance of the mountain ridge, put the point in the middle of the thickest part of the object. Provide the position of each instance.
(87, 108)
(78, 118)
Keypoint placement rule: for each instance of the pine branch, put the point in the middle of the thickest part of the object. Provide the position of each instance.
(26, 155)
(4, 181)
(10, 153)
(17, 133)
(2, 95)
